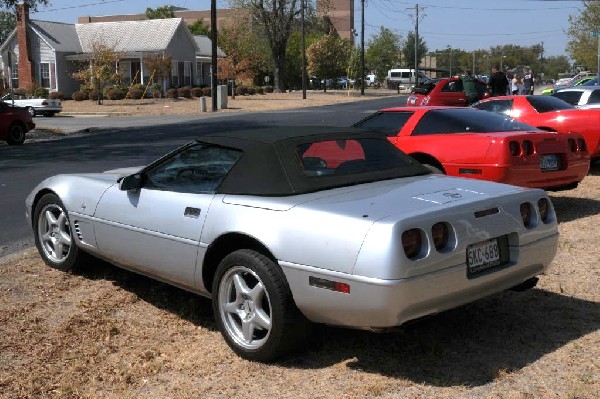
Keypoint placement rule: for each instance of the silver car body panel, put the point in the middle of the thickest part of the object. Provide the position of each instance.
(349, 234)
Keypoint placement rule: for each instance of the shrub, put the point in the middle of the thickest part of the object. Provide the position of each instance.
(56, 95)
(135, 93)
(79, 96)
(241, 91)
(114, 93)
(260, 90)
(40, 92)
(93, 95)
(268, 89)
(172, 93)
(251, 90)
(196, 92)
(184, 92)
(156, 90)
(206, 91)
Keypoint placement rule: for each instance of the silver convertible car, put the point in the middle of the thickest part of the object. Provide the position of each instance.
(286, 227)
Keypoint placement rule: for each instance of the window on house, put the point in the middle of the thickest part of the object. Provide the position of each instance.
(187, 73)
(175, 74)
(14, 72)
(45, 75)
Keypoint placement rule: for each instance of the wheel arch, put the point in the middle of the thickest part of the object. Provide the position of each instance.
(36, 199)
(428, 159)
(223, 246)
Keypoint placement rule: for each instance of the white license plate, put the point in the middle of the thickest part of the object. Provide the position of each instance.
(483, 255)
(549, 162)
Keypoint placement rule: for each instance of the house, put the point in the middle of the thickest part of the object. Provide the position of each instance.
(54, 51)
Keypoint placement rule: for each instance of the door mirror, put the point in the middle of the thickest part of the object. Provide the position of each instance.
(131, 182)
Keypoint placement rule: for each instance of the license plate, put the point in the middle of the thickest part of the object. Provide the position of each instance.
(483, 255)
(549, 162)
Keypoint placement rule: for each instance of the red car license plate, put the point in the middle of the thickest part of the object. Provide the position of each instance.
(483, 255)
(549, 162)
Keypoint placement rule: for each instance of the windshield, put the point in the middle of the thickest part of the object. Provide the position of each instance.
(426, 87)
(548, 103)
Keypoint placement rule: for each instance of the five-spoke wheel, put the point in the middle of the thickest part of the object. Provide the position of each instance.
(16, 134)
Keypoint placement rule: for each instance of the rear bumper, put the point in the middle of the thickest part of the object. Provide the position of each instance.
(375, 303)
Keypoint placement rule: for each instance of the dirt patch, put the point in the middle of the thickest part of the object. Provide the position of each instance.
(107, 333)
(257, 102)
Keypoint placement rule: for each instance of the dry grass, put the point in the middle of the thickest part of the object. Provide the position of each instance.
(258, 102)
(107, 333)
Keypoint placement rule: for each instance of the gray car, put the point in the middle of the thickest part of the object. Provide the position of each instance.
(286, 227)
(580, 96)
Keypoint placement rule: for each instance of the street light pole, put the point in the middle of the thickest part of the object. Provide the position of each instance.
(362, 49)
(303, 54)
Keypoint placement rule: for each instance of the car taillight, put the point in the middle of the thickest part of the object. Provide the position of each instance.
(544, 207)
(412, 243)
(440, 234)
(572, 145)
(44, 102)
(515, 148)
(581, 144)
(526, 214)
(528, 147)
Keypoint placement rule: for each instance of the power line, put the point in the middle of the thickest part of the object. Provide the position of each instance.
(77, 6)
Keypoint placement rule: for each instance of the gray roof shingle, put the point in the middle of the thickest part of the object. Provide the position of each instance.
(59, 36)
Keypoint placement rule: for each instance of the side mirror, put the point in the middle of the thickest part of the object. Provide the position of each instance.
(131, 182)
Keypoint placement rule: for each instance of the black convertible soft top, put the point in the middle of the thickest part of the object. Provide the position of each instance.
(271, 165)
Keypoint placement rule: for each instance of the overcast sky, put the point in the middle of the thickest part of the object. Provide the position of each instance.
(464, 24)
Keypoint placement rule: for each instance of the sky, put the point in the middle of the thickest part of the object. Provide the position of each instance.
(464, 24)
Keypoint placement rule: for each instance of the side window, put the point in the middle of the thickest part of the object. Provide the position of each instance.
(572, 97)
(594, 97)
(502, 107)
(199, 168)
(389, 123)
(453, 86)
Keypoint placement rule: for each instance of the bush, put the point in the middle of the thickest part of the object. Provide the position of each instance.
(172, 93)
(93, 95)
(79, 96)
(251, 91)
(241, 91)
(135, 93)
(40, 92)
(260, 90)
(268, 89)
(206, 91)
(184, 92)
(56, 95)
(196, 92)
(114, 93)
(156, 90)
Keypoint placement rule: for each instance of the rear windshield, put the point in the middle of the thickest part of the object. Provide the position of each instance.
(426, 87)
(350, 156)
(389, 123)
(445, 121)
(548, 103)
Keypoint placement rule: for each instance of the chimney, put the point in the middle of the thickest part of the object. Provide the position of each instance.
(25, 65)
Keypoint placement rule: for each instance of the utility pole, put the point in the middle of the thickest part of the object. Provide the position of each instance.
(362, 48)
(213, 38)
(417, 45)
(303, 53)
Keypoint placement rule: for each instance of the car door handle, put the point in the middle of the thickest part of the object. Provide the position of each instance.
(191, 212)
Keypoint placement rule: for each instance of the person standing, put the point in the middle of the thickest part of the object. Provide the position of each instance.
(528, 82)
(498, 82)
(517, 85)
(470, 87)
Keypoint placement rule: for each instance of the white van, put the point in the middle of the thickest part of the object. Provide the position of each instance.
(403, 78)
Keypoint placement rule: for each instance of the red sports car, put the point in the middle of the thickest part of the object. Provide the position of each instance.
(549, 113)
(448, 91)
(14, 123)
(469, 143)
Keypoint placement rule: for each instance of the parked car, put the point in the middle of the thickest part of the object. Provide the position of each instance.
(447, 91)
(580, 97)
(470, 143)
(286, 226)
(571, 83)
(35, 106)
(15, 122)
(549, 113)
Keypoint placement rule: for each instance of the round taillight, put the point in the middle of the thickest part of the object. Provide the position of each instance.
(526, 214)
(528, 147)
(572, 145)
(544, 207)
(411, 241)
(581, 144)
(440, 234)
(515, 148)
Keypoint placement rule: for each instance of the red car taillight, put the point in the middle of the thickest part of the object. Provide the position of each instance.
(44, 102)
(528, 148)
(572, 145)
(515, 148)
(581, 144)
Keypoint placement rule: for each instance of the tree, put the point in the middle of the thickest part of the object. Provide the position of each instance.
(582, 46)
(328, 57)
(101, 70)
(199, 28)
(554, 65)
(408, 50)
(33, 4)
(7, 24)
(276, 18)
(159, 66)
(383, 52)
(160, 12)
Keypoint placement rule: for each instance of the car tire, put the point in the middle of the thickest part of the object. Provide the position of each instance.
(31, 111)
(53, 236)
(16, 134)
(254, 308)
(434, 169)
